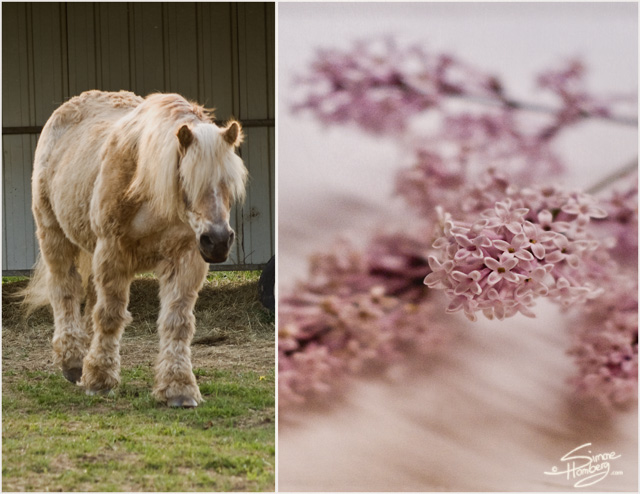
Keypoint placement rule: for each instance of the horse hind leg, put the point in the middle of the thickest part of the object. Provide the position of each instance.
(180, 282)
(65, 293)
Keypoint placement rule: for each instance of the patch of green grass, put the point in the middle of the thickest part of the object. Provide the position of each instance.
(219, 276)
(57, 438)
(12, 279)
(213, 276)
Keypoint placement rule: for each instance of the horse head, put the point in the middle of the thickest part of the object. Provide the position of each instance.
(212, 178)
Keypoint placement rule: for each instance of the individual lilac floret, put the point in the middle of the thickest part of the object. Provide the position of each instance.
(531, 244)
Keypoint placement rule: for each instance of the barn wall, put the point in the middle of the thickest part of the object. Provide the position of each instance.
(219, 54)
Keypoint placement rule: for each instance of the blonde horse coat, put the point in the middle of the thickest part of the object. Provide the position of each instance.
(130, 184)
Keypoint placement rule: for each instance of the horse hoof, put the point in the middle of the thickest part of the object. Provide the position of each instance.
(72, 375)
(182, 402)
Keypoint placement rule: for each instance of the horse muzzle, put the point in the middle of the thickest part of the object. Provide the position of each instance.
(215, 244)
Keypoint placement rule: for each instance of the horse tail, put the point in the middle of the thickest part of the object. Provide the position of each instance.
(36, 293)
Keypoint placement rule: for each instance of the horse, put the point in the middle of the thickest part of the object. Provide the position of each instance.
(122, 185)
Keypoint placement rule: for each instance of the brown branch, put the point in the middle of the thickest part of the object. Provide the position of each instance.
(538, 108)
(614, 177)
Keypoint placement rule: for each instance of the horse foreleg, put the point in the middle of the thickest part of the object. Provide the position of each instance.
(180, 281)
(112, 279)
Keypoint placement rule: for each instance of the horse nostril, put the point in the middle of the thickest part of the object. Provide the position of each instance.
(206, 241)
(217, 239)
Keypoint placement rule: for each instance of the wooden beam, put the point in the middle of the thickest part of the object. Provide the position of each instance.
(255, 122)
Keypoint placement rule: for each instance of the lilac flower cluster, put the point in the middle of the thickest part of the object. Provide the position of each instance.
(621, 223)
(467, 149)
(605, 344)
(510, 246)
(533, 243)
(357, 308)
(380, 85)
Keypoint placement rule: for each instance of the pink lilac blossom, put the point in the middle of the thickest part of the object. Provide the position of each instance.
(605, 344)
(542, 243)
(380, 85)
(621, 223)
(467, 149)
(532, 243)
(356, 308)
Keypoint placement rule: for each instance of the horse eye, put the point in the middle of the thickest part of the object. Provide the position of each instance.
(186, 200)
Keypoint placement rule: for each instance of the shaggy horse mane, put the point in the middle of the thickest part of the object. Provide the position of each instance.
(162, 168)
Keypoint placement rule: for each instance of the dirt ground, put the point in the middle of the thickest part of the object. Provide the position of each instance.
(233, 330)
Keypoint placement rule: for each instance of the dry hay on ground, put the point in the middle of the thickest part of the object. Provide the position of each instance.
(233, 330)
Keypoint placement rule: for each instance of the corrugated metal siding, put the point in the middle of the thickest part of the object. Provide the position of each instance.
(19, 247)
(219, 54)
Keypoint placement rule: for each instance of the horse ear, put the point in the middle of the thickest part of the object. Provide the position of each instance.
(185, 136)
(233, 134)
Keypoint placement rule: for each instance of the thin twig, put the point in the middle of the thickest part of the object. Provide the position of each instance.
(614, 177)
(536, 107)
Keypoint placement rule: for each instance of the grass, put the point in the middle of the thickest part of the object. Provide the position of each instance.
(12, 279)
(56, 438)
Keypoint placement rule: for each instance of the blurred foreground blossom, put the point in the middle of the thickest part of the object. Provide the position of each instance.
(605, 345)
(356, 308)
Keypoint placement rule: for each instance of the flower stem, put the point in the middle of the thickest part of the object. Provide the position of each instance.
(536, 107)
(614, 177)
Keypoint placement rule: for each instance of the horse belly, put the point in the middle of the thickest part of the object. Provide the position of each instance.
(68, 158)
(71, 186)
(71, 200)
